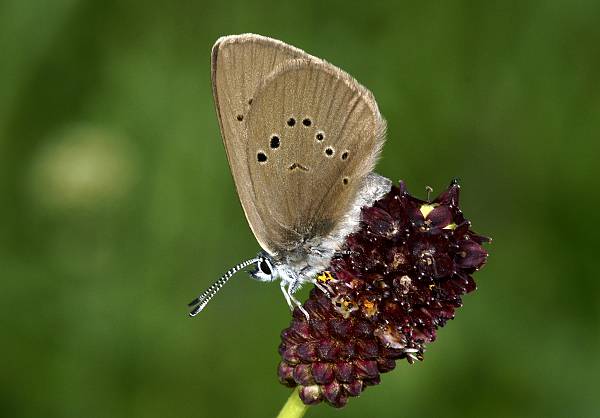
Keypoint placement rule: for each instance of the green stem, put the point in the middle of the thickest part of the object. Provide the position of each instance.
(294, 407)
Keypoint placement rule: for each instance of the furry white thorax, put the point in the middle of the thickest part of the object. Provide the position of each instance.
(299, 267)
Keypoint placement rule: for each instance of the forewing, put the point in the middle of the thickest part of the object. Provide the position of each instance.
(314, 133)
(239, 64)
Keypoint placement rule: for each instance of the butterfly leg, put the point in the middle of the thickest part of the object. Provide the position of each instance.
(343, 253)
(286, 295)
(292, 288)
(323, 287)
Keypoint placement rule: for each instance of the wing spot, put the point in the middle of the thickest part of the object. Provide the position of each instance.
(319, 136)
(329, 151)
(345, 155)
(261, 157)
(291, 122)
(345, 181)
(306, 122)
(250, 101)
(297, 166)
(240, 117)
(275, 142)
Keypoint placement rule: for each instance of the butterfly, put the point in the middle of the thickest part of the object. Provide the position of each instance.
(302, 138)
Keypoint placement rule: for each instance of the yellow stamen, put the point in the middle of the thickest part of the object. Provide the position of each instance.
(427, 208)
(325, 277)
(451, 226)
(370, 308)
(344, 305)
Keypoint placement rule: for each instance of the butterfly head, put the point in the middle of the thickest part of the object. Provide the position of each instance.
(264, 269)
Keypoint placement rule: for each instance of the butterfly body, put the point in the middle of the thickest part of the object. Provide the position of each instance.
(312, 254)
(302, 138)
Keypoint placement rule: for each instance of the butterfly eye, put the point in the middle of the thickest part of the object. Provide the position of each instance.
(264, 267)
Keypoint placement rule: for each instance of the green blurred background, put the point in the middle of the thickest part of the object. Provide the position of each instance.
(118, 206)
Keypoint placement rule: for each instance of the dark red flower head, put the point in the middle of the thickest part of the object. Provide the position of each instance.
(401, 276)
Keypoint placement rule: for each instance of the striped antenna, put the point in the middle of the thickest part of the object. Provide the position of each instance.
(198, 304)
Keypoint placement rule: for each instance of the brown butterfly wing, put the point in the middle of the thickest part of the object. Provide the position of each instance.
(313, 135)
(240, 63)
